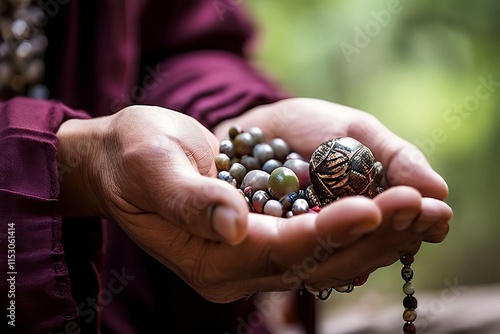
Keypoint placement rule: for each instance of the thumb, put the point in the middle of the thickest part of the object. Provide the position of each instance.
(206, 206)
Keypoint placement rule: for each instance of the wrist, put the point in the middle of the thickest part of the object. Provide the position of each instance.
(79, 143)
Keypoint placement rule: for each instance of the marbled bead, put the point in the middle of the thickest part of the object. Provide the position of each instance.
(406, 259)
(249, 162)
(257, 134)
(273, 208)
(409, 328)
(263, 152)
(238, 171)
(222, 162)
(243, 144)
(289, 214)
(271, 165)
(280, 148)
(288, 200)
(234, 131)
(257, 179)
(408, 288)
(410, 302)
(259, 199)
(407, 273)
(225, 176)
(300, 206)
(282, 181)
(301, 169)
(226, 146)
(409, 315)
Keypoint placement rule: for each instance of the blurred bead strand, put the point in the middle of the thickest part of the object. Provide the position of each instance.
(410, 303)
(22, 49)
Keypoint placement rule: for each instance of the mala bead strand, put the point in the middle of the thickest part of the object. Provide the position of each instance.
(409, 302)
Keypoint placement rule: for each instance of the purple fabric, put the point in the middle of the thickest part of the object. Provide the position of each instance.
(104, 55)
(28, 190)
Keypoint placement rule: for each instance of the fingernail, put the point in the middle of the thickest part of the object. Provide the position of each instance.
(224, 223)
(403, 219)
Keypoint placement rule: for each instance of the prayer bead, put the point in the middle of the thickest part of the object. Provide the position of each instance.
(407, 259)
(243, 144)
(409, 328)
(409, 315)
(410, 302)
(408, 288)
(263, 152)
(300, 206)
(282, 181)
(273, 208)
(280, 148)
(301, 169)
(407, 273)
(222, 162)
(271, 165)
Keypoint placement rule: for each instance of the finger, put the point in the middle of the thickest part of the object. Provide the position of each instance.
(204, 206)
(337, 225)
(404, 163)
(438, 231)
(399, 207)
(434, 212)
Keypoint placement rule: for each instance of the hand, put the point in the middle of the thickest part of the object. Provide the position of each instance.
(147, 167)
(306, 123)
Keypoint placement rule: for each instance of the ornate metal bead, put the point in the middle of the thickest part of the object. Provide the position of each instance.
(344, 167)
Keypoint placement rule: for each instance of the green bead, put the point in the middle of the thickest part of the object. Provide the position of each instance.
(243, 144)
(234, 131)
(238, 171)
(222, 162)
(282, 181)
(408, 288)
(257, 134)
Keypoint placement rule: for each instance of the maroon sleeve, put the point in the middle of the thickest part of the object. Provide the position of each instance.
(197, 60)
(32, 263)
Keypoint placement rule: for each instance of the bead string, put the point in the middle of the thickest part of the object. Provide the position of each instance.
(409, 302)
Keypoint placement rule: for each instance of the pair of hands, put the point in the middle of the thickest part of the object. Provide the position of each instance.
(152, 170)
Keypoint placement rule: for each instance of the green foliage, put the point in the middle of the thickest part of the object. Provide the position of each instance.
(412, 74)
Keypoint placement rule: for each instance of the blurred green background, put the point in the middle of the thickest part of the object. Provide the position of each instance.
(419, 73)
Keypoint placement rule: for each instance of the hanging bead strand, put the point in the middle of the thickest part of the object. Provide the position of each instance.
(409, 302)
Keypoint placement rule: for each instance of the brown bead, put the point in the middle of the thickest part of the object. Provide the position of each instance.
(409, 328)
(406, 259)
(409, 315)
(410, 302)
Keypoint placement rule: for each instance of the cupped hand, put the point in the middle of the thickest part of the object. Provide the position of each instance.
(148, 166)
(305, 123)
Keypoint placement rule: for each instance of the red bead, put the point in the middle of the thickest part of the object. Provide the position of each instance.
(316, 209)
(406, 259)
(409, 328)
